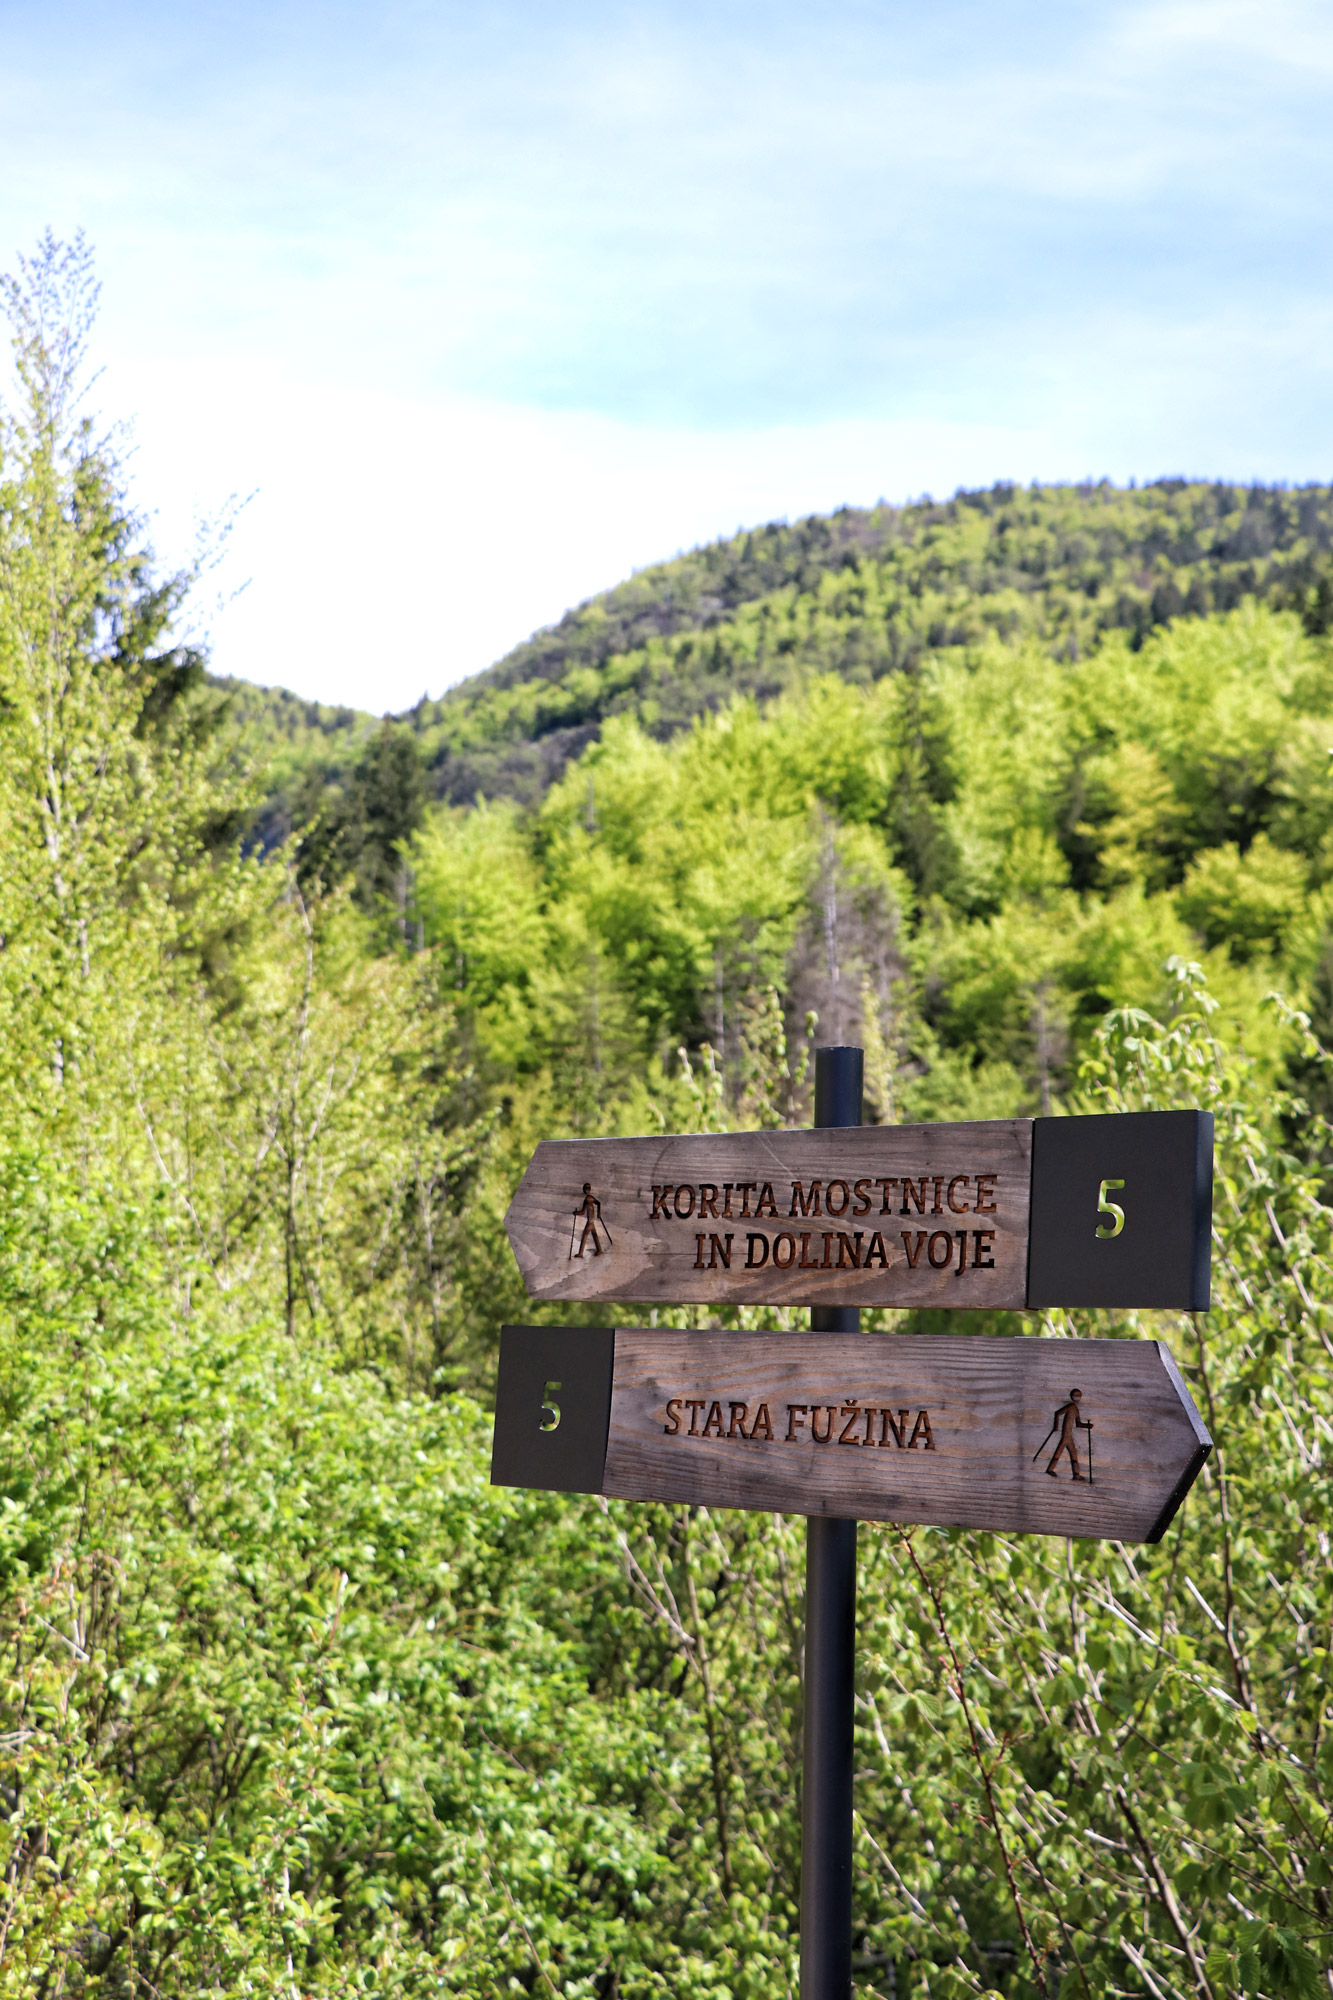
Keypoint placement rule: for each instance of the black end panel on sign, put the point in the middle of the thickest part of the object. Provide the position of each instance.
(552, 1407)
(1122, 1210)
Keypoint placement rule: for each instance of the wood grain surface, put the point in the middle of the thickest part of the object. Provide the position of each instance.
(905, 1215)
(955, 1430)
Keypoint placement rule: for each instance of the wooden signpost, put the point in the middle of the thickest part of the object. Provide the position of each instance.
(1025, 1436)
(1045, 1437)
(1011, 1212)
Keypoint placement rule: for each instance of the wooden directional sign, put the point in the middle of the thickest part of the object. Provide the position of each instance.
(1100, 1211)
(1052, 1437)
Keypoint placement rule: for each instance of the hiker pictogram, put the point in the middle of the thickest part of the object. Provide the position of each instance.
(1068, 1422)
(589, 1212)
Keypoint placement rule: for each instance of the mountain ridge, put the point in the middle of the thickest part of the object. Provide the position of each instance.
(859, 592)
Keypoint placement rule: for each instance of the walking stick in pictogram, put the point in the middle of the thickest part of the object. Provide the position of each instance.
(1045, 1441)
(589, 1212)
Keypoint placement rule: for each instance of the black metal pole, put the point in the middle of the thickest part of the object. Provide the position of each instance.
(830, 1657)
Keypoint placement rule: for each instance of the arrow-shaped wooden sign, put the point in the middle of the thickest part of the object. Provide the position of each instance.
(1104, 1211)
(1053, 1437)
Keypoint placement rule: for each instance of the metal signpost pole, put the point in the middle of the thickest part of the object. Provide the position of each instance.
(830, 1656)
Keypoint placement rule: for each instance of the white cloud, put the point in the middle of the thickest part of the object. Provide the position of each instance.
(398, 543)
(395, 546)
(1273, 34)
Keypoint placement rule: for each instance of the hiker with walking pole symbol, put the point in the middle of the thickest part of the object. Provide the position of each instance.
(1069, 1423)
(589, 1212)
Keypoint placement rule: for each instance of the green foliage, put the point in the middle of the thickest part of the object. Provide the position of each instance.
(359, 828)
(865, 593)
(76, 576)
(292, 1701)
(861, 594)
(963, 867)
(307, 746)
(276, 1690)
(294, 1697)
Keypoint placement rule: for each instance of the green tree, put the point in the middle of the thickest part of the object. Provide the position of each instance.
(360, 831)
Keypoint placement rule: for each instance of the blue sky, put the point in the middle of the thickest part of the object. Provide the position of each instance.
(490, 304)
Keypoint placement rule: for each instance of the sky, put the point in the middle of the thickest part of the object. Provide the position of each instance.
(480, 307)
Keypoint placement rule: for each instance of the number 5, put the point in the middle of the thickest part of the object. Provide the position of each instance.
(1105, 1207)
(551, 1409)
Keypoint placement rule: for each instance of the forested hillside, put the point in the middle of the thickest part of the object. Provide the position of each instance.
(302, 748)
(860, 593)
(293, 1702)
(864, 593)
